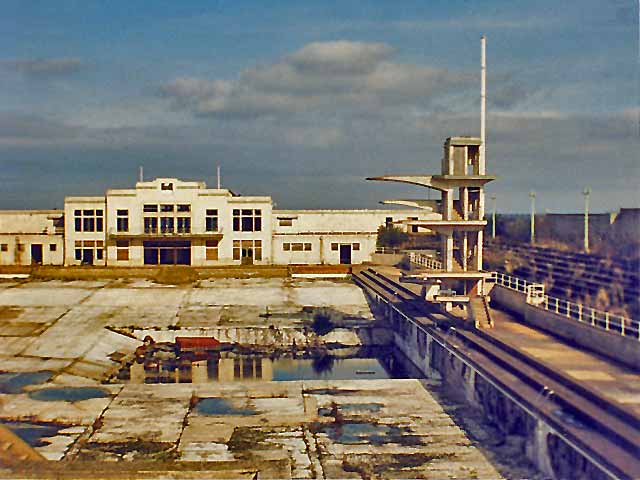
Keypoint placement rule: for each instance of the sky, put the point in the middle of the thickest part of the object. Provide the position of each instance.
(304, 100)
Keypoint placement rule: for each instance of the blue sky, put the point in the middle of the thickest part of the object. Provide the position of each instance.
(303, 100)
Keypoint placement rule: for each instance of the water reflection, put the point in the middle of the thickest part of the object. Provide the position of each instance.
(232, 366)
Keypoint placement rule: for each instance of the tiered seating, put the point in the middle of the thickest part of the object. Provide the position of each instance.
(577, 276)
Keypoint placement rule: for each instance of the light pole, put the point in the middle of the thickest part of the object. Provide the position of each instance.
(586, 193)
(532, 196)
(493, 218)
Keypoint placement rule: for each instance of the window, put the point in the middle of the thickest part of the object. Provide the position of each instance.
(122, 220)
(166, 208)
(166, 224)
(285, 222)
(166, 186)
(355, 246)
(388, 221)
(184, 224)
(247, 249)
(183, 208)
(4, 247)
(334, 247)
(87, 251)
(414, 228)
(122, 250)
(211, 247)
(296, 247)
(88, 220)
(247, 220)
(150, 208)
(53, 247)
(211, 220)
(150, 225)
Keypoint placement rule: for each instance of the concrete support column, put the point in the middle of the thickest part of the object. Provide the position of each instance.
(447, 204)
(465, 250)
(447, 251)
(479, 251)
(465, 203)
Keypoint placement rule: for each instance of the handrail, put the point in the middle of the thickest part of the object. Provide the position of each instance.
(425, 261)
(625, 326)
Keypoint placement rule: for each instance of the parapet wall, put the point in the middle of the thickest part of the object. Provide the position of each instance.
(611, 345)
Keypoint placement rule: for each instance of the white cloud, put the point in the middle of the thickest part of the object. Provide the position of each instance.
(326, 76)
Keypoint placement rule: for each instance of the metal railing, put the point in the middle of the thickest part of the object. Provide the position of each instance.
(624, 326)
(425, 261)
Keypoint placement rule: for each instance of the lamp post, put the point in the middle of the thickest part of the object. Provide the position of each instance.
(586, 193)
(532, 196)
(493, 217)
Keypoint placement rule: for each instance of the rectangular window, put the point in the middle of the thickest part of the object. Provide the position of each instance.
(122, 250)
(211, 247)
(297, 247)
(122, 221)
(247, 220)
(150, 208)
(78, 254)
(166, 208)
(53, 247)
(285, 222)
(88, 220)
(307, 247)
(334, 247)
(211, 220)
(166, 224)
(4, 247)
(286, 247)
(184, 224)
(355, 246)
(150, 225)
(184, 208)
(247, 249)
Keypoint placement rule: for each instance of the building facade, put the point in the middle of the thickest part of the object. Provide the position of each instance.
(173, 222)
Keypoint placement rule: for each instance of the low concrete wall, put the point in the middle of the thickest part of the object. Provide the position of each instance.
(612, 345)
(386, 258)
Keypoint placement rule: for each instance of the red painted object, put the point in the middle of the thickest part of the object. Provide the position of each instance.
(191, 344)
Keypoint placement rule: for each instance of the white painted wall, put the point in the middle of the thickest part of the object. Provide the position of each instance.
(19, 229)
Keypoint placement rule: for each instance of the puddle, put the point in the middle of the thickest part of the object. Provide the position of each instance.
(351, 408)
(228, 366)
(15, 382)
(33, 433)
(68, 394)
(352, 433)
(222, 406)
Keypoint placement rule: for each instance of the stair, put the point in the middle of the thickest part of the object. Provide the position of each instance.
(480, 312)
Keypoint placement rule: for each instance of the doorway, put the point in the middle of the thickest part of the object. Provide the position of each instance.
(345, 254)
(36, 253)
(167, 252)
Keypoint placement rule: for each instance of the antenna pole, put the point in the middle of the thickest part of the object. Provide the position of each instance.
(483, 101)
(218, 169)
(141, 174)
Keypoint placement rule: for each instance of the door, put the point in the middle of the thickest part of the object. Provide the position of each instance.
(87, 256)
(345, 254)
(36, 253)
